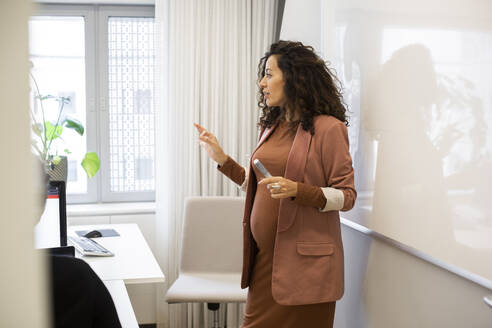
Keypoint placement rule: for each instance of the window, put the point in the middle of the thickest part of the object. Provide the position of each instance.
(102, 58)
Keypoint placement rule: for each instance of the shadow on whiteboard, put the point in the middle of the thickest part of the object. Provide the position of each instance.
(420, 134)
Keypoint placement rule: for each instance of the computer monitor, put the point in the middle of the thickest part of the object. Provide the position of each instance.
(51, 230)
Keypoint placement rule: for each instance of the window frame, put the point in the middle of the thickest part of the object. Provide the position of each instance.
(96, 75)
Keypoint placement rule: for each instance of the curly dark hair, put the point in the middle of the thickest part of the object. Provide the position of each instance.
(310, 87)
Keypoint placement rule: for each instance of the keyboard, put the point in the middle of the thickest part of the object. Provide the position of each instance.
(89, 247)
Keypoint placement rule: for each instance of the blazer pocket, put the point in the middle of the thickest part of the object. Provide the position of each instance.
(315, 248)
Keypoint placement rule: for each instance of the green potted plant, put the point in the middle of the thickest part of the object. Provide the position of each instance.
(45, 132)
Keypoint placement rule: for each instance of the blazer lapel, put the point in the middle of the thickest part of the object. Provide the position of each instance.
(296, 164)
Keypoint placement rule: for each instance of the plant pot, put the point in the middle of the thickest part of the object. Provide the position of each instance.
(58, 172)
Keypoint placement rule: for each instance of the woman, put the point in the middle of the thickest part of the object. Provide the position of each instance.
(293, 253)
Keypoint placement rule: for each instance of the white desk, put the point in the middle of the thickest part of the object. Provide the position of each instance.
(133, 263)
(122, 303)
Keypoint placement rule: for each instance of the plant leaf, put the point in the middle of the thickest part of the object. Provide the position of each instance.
(56, 160)
(91, 164)
(73, 124)
(52, 132)
(67, 151)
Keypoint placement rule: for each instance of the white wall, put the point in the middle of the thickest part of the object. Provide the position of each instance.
(22, 278)
(302, 22)
(386, 287)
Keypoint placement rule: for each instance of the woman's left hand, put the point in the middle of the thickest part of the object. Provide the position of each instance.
(286, 188)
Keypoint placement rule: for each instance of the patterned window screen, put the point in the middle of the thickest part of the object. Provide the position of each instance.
(131, 110)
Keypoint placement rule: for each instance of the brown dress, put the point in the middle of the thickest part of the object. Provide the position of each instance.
(261, 309)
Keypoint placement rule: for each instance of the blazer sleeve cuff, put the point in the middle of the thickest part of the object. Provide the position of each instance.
(334, 199)
(308, 195)
(235, 172)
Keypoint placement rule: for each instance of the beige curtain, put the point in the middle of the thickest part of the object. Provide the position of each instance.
(208, 52)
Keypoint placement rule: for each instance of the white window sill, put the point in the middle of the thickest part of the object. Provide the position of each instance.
(110, 209)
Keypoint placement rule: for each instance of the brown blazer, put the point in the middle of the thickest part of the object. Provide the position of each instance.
(308, 254)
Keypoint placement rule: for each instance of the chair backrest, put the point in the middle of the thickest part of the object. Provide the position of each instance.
(212, 235)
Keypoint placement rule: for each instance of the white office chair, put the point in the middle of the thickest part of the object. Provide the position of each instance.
(211, 254)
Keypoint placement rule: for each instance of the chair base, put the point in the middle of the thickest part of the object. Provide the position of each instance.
(214, 307)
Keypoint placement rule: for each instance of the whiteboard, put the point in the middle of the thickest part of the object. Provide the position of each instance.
(418, 82)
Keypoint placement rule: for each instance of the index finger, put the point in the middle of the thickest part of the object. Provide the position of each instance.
(270, 180)
(199, 127)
